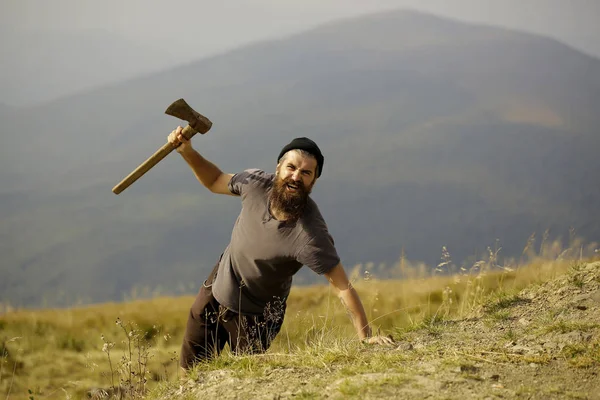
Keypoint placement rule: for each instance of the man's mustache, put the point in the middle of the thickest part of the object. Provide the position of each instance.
(299, 183)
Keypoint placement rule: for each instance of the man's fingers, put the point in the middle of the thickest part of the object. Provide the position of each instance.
(174, 142)
(172, 138)
(176, 138)
(383, 340)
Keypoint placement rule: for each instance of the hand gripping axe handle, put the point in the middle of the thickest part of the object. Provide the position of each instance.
(197, 124)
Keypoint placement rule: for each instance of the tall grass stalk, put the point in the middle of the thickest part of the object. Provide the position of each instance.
(60, 339)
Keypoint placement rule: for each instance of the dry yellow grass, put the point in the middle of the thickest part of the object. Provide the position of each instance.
(58, 352)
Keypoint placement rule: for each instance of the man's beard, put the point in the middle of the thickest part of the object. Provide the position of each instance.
(292, 204)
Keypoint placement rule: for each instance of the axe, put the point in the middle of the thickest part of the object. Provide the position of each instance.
(197, 124)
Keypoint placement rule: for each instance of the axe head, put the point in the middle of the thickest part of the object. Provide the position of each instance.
(182, 110)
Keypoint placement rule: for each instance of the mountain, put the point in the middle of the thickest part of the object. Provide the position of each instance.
(434, 133)
(39, 66)
(5, 109)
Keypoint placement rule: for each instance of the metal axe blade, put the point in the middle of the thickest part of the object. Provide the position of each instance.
(180, 109)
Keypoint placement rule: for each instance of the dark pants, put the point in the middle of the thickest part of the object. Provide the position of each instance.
(210, 326)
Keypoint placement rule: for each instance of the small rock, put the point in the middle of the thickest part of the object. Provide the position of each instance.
(468, 368)
(570, 338)
(404, 346)
(533, 365)
(581, 297)
(428, 369)
(536, 349)
(521, 350)
(592, 266)
(553, 346)
(523, 322)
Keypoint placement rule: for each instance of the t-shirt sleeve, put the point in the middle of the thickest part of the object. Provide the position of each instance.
(319, 254)
(242, 182)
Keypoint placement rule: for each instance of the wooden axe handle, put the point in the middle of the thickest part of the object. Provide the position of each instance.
(188, 132)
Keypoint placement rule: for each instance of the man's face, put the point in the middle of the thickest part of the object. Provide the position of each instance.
(295, 177)
(298, 173)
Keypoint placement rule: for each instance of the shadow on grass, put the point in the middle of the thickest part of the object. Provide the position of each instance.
(504, 303)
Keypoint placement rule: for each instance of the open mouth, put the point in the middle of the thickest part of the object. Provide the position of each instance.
(292, 187)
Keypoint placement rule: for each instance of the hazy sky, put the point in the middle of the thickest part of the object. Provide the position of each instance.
(212, 26)
(182, 30)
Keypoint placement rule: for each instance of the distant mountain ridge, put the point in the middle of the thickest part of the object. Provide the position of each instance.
(38, 67)
(434, 133)
(5, 108)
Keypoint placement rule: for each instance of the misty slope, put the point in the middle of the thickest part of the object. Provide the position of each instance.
(4, 109)
(434, 133)
(39, 66)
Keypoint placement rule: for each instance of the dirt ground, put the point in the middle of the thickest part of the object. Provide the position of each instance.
(543, 343)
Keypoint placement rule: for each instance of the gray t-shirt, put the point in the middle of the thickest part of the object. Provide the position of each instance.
(257, 266)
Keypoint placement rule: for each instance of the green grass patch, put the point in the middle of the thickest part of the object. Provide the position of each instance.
(307, 394)
(499, 316)
(569, 326)
(576, 280)
(510, 335)
(583, 355)
(503, 302)
(68, 342)
(384, 385)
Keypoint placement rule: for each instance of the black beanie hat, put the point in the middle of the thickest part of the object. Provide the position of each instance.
(307, 145)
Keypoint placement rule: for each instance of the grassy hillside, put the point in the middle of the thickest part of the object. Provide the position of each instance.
(529, 330)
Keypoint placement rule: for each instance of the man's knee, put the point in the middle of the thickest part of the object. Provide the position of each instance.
(200, 338)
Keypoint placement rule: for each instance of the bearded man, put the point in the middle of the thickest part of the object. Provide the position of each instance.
(280, 229)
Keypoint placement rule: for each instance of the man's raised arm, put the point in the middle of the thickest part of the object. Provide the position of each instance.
(207, 173)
